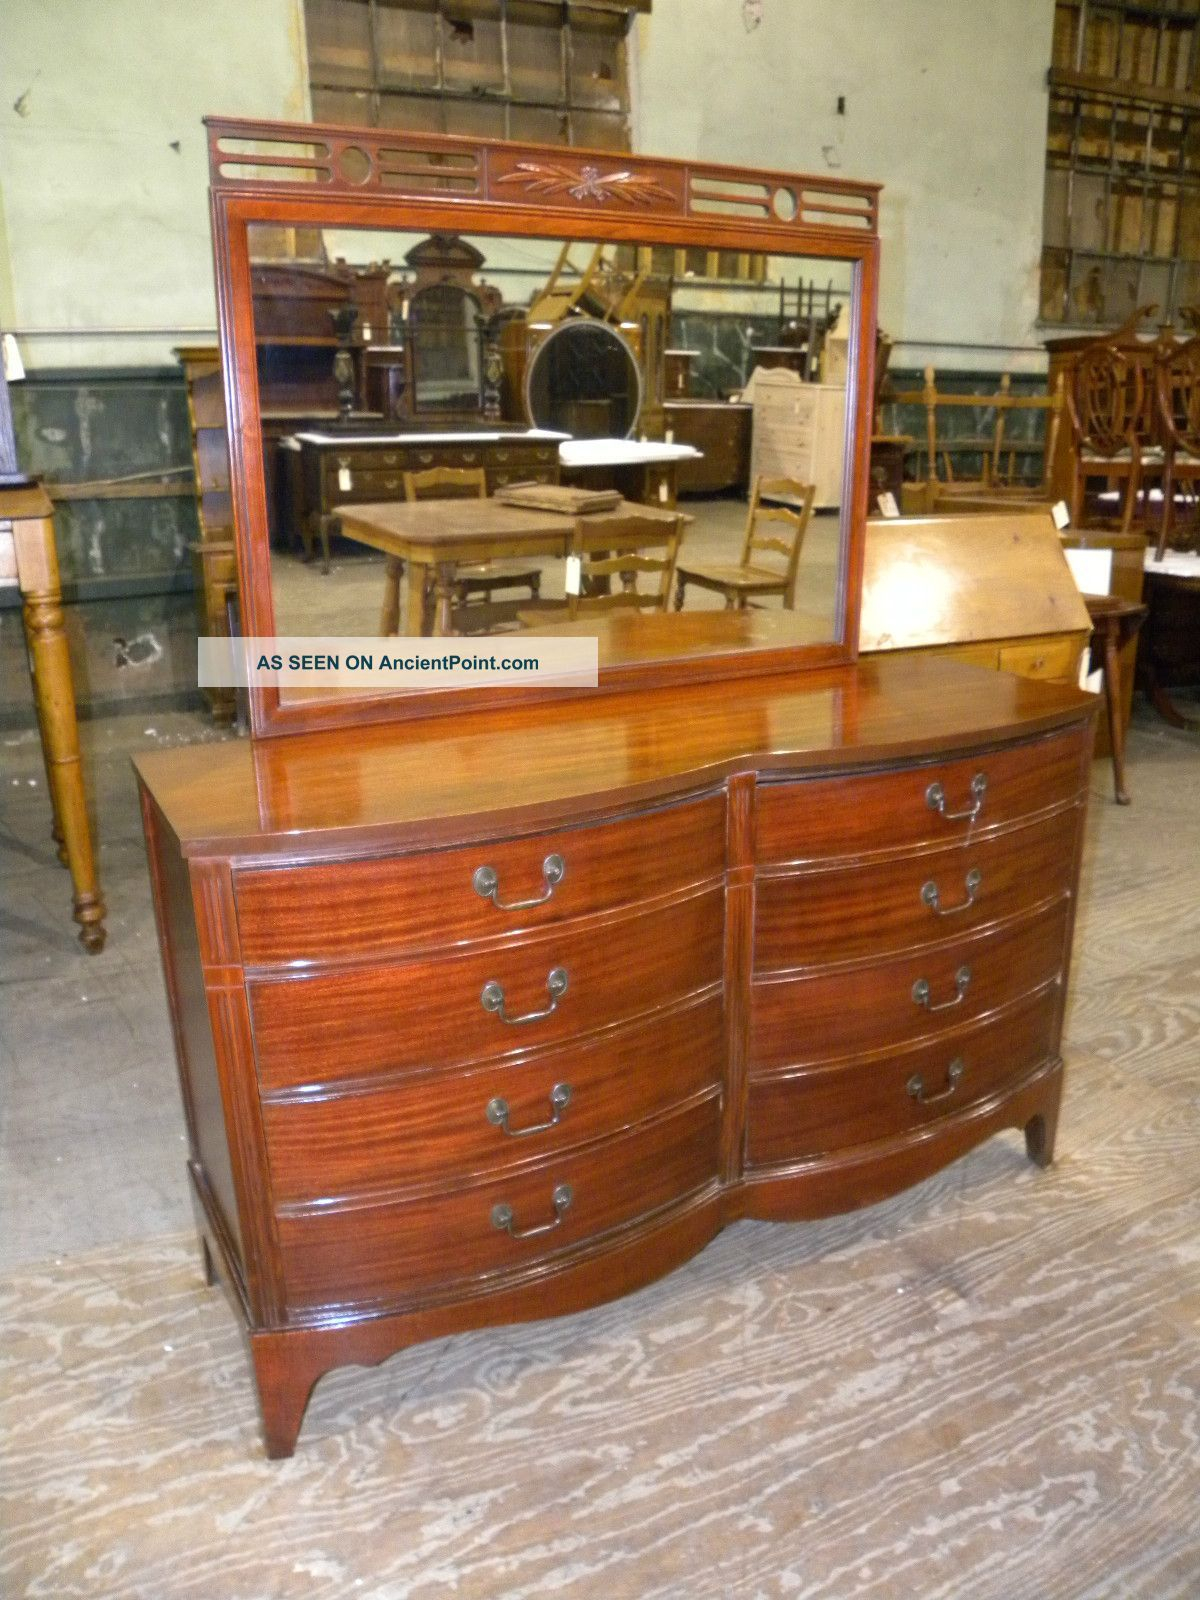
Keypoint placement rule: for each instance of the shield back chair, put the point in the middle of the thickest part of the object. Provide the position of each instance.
(471, 579)
(749, 579)
(1106, 406)
(1177, 392)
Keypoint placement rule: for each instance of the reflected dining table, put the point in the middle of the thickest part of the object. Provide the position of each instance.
(433, 538)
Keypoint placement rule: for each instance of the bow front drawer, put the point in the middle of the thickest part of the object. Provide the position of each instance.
(438, 1129)
(808, 917)
(888, 1004)
(798, 1116)
(414, 902)
(938, 803)
(370, 1256)
(497, 1000)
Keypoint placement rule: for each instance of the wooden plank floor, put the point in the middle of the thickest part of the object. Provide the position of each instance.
(986, 1389)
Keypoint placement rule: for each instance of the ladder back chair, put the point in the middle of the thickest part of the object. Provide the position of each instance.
(624, 547)
(748, 579)
(472, 578)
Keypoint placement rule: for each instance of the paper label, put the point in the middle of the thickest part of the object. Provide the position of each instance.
(345, 482)
(669, 437)
(1062, 517)
(366, 332)
(664, 494)
(573, 583)
(887, 504)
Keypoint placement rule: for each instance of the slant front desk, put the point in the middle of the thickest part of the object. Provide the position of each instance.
(491, 1010)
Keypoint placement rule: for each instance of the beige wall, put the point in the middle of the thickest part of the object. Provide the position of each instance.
(103, 166)
(945, 106)
(103, 172)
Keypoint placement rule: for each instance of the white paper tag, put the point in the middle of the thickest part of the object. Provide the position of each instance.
(345, 482)
(366, 332)
(887, 504)
(1062, 517)
(573, 583)
(669, 436)
(664, 494)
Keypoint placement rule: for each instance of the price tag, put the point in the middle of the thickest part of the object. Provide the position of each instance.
(1062, 517)
(573, 583)
(887, 504)
(669, 436)
(366, 332)
(345, 482)
(664, 493)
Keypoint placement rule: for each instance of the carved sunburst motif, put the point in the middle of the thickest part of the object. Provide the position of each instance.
(586, 183)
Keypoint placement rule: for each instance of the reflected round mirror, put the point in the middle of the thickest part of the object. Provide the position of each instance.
(583, 380)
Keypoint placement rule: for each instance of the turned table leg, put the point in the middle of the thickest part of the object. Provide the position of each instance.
(1112, 700)
(37, 575)
(393, 570)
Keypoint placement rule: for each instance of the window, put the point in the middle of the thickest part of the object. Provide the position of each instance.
(497, 69)
(1121, 225)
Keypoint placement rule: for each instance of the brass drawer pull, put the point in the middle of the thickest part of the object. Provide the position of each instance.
(916, 1084)
(503, 1219)
(486, 883)
(492, 997)
(935, 799)
(497, 1113)
(962, 981)
(929, 894)
(425, 457)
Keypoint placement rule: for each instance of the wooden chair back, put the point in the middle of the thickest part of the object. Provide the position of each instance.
(623, 547)
(446, 483)
(1177, 392)
(1105, 401)
(794, 523)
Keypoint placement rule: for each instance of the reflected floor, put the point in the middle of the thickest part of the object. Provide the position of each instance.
(346, 601)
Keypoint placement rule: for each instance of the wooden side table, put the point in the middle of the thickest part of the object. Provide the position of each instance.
(1115, 622)
(29, 558)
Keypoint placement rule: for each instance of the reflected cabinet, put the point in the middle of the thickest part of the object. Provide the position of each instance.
(495, 1008)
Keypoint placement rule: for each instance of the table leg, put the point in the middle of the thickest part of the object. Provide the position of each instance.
(443, 581)
(414, 600)
(1112, 701)
(389, 621)
(37, 575)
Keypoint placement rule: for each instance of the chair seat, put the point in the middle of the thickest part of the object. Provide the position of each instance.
(748, 580)
(1151, 454)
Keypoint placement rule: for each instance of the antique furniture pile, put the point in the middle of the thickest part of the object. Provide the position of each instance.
(493, 1006)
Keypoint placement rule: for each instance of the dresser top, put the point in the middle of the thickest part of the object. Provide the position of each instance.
(440, 779)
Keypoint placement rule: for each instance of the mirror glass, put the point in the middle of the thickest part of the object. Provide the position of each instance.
(411, 383)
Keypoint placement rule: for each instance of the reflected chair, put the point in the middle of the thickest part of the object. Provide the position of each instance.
(472, 578)
(1177, 393)
(1106, 406)
(747, 579)
(624, 547)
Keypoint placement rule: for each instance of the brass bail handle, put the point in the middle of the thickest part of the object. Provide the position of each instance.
(922, 995)
(504, 1219)
(931, 895)
(491, 998)
(916, 1084)
(498, 1111)
(935, 799)
(486, 884)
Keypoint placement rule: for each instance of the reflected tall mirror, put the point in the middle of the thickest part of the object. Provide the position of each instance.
(440, 353)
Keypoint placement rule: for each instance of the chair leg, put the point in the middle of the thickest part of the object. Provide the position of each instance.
(1131, 493)
(1168, 507)
(680, 586)
(1112, 700)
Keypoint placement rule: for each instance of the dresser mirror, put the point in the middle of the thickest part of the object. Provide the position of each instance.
(523, 317)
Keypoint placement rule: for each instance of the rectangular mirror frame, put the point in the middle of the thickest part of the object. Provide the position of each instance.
(307, 175)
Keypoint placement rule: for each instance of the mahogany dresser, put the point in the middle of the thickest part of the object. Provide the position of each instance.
(500, 1017)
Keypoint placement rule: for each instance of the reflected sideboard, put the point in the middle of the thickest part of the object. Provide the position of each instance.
(502, 1018)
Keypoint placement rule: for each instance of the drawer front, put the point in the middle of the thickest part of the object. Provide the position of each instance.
(372, 1256)
(1056, 659)
(366, 487)
(833, 1014)
(443, 1129)
(827, 817)
(396, 903)
(851, 913)
(801, 1116)
(413, 1016)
